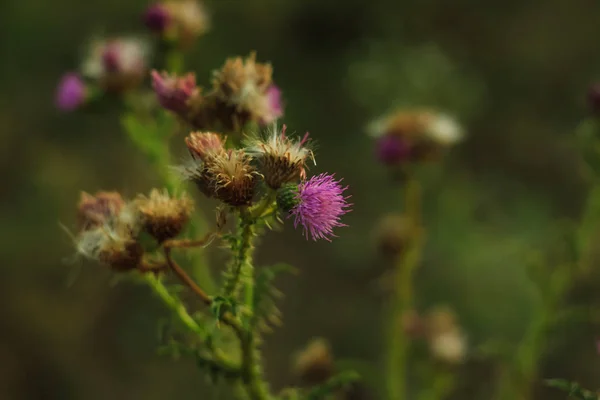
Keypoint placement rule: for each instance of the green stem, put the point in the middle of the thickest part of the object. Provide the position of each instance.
(252, 376)
(186, 319)
(407, 263)
(174, 304)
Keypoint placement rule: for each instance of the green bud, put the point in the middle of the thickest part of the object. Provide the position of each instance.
(287, 197)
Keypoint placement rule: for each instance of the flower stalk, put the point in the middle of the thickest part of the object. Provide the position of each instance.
(402, 301)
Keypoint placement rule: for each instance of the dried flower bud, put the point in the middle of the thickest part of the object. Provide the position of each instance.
(114, 242)
(174, 92)
(282, 160)
(71, 92)
(244, 89)
(314, 365)
(164, 216)
(157, 17)
(233, 178)
(94, 211)
(205, 145)
(449, 347)
(118, 64)
(121, 256)
(189, 20)
(392, 234)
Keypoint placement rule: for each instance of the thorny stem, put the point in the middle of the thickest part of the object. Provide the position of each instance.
(402, 301)
(242, 259)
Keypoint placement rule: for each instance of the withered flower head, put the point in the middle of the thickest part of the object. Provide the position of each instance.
(174, 92)
(163, 216)
(205, 145)
(93, 211)
(392, 234)
(314, 364)
(233, 177)
(114, 242)
(282, 159)
(246, 86)
(188, 20)
(119, 64)
(414, 135)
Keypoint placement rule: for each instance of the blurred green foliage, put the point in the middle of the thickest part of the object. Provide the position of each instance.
(519, 71)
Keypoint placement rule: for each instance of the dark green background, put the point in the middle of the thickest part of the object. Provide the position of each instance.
(515, 72)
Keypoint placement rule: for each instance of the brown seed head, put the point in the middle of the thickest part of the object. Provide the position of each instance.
(314, 365)
(233, 177)
(163, 216)
(94, 210)
(282, 160)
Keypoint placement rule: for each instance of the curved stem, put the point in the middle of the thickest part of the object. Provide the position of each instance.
(181, 274)
(402, 301)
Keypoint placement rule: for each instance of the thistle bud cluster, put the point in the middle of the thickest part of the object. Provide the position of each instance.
(110, 227)
(440, 329)
(413, 136)
(274, 163)
(242, 91)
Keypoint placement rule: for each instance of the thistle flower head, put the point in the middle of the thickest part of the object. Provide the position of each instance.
(94, 211)
(314, 364)
(282, 159)
(173, 92)
(233, 177)
(318, 205)
(246, 86)
(163, 216)
(413, 135)
(205, 145)
(113, 242)
(189, 20)
(118, 64)
(157, 17)
(70, 93)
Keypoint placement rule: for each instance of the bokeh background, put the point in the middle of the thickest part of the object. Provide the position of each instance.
(514, 72)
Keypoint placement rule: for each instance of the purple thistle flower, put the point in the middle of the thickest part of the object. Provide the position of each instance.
(320, 204)
(157, 17)
(172, 91)
(391, 150)
(70, 93)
